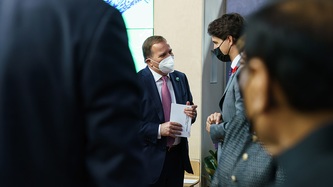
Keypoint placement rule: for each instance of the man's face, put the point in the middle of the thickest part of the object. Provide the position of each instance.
(247, 86)
(159, 51)
(222, 44)
(216, 41)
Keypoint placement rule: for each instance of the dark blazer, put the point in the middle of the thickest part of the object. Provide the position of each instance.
(310, 162)
(152, 115)
(69, 96)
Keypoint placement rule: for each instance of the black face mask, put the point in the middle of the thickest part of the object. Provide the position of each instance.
(218, 53)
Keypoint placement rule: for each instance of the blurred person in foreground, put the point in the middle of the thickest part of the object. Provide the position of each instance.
(69, 97)
(166, 153)
(287, 87)
(242, 161)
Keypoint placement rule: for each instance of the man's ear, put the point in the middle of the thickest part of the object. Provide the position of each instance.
(260, 82)
(148, 62)
(230, 40)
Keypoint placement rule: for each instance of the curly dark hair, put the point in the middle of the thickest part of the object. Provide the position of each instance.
(227, 25)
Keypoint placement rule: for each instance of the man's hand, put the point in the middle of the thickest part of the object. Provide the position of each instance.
(191, 111)
(171, 129)
(215, 118)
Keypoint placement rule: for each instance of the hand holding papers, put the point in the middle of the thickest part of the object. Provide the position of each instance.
(178, 115)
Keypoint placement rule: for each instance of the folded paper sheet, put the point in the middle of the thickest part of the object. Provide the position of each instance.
(178, 115)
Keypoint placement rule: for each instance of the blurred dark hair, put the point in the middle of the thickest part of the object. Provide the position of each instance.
(241, 43)
(294, 38)
(228, 24)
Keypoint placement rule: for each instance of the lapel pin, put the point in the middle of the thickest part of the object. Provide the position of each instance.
(177, 78)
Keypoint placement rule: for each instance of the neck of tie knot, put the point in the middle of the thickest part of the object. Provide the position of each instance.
(164, 79)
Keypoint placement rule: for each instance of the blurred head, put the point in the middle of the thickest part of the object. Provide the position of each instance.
(240, 45)
(289, 63)
(158, 54)
(225, 32)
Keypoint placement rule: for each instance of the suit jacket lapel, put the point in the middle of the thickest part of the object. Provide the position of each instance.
(176, 87)
(152, 89)
(228, 84)
(225, 90)
(230, 79)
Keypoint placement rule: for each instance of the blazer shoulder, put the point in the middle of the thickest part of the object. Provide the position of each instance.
(177, 74)
(144, 72)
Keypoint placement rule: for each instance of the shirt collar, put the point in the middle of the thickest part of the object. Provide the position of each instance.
(156, 76)
(235, 61)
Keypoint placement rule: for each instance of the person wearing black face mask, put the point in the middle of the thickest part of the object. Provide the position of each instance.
(219, 55)
(242, 161)
(224, 32)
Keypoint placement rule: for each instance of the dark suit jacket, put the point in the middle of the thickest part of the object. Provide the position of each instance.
(69, 96)
(152, 115)
(310, 162)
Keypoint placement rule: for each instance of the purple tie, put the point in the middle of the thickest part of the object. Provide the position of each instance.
(230, 72)
(166, 102)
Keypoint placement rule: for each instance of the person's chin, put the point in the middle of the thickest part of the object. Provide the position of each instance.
(272, 148)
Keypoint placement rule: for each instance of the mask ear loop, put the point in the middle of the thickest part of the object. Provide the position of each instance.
(217, 47)
(232, 38)
(229, 50)
(231, 45)
(152, 65)
(221, 44)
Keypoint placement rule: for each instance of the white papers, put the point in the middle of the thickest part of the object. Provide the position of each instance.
(178, 115)
(191, 181)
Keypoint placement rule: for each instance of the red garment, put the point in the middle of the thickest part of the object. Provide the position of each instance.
(234, 69)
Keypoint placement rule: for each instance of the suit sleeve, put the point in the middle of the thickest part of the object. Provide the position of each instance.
(239, 102)
(217, 132)
(111, 103)
(190, 98)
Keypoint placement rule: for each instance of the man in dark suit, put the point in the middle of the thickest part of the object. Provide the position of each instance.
(287, 87)
(166, 162)
(69, 100)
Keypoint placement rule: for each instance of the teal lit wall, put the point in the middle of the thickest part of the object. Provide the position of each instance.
(139, 20)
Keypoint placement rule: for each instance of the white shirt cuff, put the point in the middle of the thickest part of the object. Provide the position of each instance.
(159, 132)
